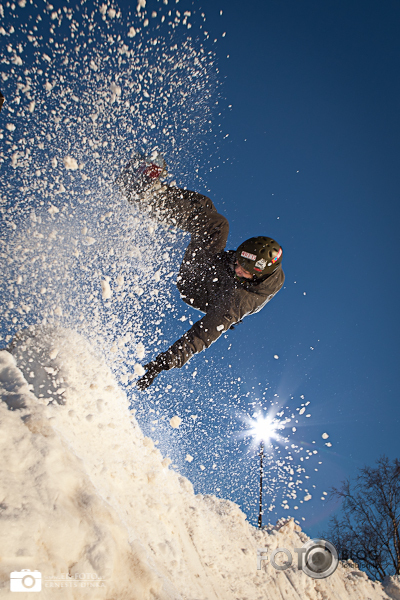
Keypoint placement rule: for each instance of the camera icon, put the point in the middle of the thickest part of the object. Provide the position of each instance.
(25, 581)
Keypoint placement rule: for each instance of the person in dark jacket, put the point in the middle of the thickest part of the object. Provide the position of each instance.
(225, 285)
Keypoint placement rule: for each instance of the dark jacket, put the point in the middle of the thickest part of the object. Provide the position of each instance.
(207, 279)
(225, 300)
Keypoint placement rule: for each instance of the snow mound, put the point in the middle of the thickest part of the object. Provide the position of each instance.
(88, 501)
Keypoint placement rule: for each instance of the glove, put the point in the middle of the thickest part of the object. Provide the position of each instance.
(153, 368)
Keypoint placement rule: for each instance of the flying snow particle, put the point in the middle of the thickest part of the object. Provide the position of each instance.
(10, 126)
(175, 422)
(307, 497)
(325, 436)
(89, 241)
(138, 369)
(105, 290)
(189, 458)
(70, 163)
(276, 356)
(132, 32)
(53, 210)
(140, 351)
(115, 92)
(111, 13)
(31, 106)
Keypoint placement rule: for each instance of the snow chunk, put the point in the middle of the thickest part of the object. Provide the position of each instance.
(105, 290)
(276, 356)
(138, 369)
(53, 210)
(189, 458)
(140, 351)
(10, 126)
(175, 422)
(132, 32)
(116, 92)
(70, 163)
(325, 436)
(89, 241)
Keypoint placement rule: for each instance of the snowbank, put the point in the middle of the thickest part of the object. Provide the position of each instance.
(88, 501)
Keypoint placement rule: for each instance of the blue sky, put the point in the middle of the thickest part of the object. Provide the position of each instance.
(314, 93)
(306, 150)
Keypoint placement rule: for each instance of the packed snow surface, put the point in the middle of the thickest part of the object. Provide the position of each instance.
(87, 500)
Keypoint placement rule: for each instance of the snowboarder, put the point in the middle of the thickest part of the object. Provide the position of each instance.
(226, 286)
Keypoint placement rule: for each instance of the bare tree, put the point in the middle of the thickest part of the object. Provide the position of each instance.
(368, 528)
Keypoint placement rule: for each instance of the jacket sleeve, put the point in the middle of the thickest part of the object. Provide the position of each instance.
(208, 329)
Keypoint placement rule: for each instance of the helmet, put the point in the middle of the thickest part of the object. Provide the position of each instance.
(259, 255)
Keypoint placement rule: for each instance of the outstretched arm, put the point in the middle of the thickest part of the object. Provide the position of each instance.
(199, 337)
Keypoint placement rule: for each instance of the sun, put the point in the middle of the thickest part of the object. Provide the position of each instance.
(264, 429)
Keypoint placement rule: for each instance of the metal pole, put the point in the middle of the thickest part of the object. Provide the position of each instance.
(261, 482)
